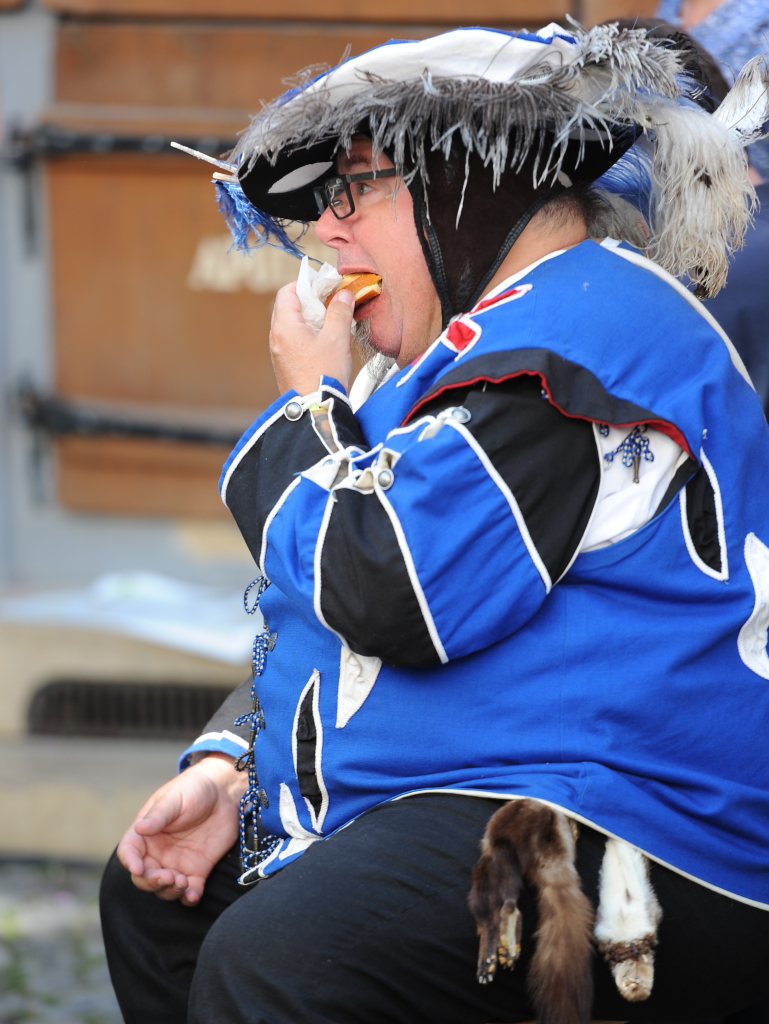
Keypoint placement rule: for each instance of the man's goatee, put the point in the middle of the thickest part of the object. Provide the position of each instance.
(377, 365)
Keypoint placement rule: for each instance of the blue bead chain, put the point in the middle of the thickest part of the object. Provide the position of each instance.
(255, 797)
(634, 448)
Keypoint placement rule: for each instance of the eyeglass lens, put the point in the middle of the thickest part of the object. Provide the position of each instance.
(334, 193)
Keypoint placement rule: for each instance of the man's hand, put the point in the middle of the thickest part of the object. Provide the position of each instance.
(184, 829)
(300, 355)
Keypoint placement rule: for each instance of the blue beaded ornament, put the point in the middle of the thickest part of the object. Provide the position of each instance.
(634, 448)
(255, 797)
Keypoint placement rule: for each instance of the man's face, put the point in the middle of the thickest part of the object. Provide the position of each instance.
(380, 237)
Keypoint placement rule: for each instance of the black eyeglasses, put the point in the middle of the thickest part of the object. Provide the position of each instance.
(335, 192)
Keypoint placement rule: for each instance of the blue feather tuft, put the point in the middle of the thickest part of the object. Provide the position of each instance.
(631, 179)
(251, 229)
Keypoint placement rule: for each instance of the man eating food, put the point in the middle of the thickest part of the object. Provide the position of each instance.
(530, 563)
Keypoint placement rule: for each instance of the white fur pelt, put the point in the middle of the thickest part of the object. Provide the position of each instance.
(626, 922)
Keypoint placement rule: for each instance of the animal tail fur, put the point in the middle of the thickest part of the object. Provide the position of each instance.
(528, 842)
(627, 919)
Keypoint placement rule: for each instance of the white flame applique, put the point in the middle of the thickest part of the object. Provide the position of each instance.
(751, 643)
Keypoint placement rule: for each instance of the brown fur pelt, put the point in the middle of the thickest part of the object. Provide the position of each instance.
(529, 842)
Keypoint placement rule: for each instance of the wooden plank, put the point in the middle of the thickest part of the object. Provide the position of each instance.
(211, 67)
(593, 12)
(538, 12)
(125, 232)
(134, 119)
(136, 477)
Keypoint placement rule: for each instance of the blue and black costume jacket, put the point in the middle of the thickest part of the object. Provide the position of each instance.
(438, 627)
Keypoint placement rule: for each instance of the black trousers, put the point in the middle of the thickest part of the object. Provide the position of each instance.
(372, 926)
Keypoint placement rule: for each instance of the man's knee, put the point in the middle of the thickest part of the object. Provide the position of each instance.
(254, 963)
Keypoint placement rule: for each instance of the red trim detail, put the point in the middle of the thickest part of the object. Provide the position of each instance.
(664, 427)
(485, 303)
(461, 334)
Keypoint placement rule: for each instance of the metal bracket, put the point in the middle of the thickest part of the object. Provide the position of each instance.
(24, 146)
(53, 415)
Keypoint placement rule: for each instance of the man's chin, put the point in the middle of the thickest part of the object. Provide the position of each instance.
(370, 341)
(378, 361)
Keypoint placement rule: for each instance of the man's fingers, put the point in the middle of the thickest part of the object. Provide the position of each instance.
(287, 304)
(192, 895)
(130, 852)
(163, 892)
(164, 882)
(159, 814)
(180, 887)
(131, 860)
(144, 883)
(172, 892)
(194, 891)
(286, 296)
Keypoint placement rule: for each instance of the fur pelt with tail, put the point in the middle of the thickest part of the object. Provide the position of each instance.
(528, 842)
(627, 919)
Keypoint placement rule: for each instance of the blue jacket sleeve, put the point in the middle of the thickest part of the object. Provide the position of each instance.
(220, 734)
(439, 541)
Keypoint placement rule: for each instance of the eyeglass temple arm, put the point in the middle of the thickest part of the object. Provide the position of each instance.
(388, 172)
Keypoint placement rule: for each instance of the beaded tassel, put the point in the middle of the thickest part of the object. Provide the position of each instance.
(634, 448)
(255, 797)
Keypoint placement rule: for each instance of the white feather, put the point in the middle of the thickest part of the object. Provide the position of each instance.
(225, 166)
(745, 110)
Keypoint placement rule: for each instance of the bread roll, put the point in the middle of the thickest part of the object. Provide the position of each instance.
(364, 287)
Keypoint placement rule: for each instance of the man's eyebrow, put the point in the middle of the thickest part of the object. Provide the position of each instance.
(349, 160)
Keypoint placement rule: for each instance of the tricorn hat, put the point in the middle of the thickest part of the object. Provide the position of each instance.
(487, 126)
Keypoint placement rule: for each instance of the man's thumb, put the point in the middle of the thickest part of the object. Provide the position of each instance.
(157, 817)
(340, 309)
(150, 824)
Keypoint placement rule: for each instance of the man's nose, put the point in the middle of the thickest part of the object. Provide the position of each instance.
(334, 232)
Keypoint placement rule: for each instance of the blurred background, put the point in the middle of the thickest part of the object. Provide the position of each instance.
(133, 352)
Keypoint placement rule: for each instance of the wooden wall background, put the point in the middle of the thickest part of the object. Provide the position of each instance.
(133, 323)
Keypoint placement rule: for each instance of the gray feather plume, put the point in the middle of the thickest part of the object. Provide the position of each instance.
(404, 116)
(701, 200)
